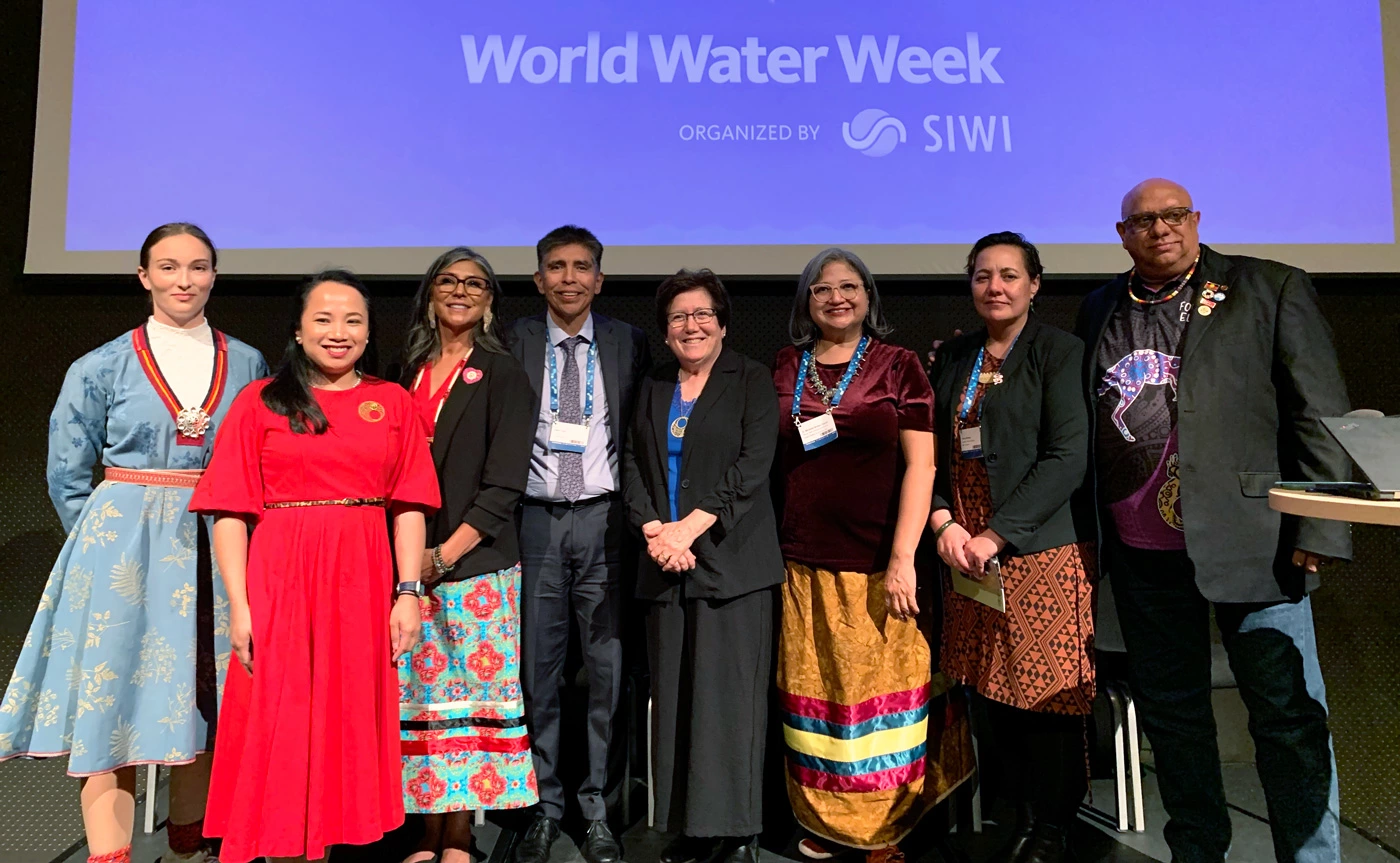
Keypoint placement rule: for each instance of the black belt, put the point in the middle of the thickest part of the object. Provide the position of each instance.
(553, 505)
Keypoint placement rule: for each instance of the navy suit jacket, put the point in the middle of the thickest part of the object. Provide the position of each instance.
(623, 357)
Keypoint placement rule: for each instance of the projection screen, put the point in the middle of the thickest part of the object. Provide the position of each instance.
(742, 135)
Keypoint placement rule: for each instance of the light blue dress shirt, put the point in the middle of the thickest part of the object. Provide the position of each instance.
(600, 457)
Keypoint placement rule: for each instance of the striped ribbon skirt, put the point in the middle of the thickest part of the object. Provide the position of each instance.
(461, 713)
(873, 739)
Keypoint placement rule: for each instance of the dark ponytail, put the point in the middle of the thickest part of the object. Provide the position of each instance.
(289, 393)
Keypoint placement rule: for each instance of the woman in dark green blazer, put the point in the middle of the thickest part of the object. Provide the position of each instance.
(1013, 436)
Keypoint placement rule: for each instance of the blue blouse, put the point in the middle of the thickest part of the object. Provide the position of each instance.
(675, 437)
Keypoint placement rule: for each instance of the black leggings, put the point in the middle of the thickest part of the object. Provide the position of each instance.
(1041, 757)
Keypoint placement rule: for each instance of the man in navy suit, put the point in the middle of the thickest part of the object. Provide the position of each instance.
(584, 369)
(1209, 374)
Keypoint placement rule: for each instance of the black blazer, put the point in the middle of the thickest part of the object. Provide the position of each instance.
(623, 357)
(481, 448)
(729, 446)
(1035, 434)
(1256, 375)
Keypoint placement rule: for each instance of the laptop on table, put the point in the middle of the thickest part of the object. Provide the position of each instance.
(1373, 443)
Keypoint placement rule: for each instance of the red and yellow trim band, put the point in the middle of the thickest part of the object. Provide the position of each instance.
(217, 383)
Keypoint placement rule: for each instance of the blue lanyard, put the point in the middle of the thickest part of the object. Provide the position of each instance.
(971, 392)
(840, 388)
(588, 386)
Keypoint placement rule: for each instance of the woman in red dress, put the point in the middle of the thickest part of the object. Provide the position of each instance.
(308, 752)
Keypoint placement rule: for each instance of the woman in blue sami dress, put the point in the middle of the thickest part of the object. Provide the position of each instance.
(122, 663)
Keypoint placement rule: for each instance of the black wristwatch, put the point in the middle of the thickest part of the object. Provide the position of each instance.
(411, 587)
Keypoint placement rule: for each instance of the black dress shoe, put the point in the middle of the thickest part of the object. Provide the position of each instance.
(1021, 837)
(741, 850)
(1049, 844)
(689, 849)
(538, 839)
(599, 846)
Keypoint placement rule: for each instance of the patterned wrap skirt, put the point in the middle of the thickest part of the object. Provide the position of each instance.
(873, 740)
(462, 716)
(1038, 654)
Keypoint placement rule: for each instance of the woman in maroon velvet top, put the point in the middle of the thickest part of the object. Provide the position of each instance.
(872, 742)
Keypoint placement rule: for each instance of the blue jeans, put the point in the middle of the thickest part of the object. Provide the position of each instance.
(1273, 653)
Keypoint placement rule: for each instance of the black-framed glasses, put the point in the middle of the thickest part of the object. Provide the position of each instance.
(701, 316)
(446, 283)
(824, 293)
(1173, 216)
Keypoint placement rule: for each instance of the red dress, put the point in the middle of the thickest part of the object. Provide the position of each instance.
(307, 753)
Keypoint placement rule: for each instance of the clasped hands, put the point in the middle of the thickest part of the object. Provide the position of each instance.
(967, 553)
(668, 543)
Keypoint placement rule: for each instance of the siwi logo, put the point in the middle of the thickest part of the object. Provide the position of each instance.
(873, 132)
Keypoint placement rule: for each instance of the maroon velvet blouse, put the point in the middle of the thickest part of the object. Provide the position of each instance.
(841, 501)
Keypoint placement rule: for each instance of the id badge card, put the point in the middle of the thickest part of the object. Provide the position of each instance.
(817, 431)
(970, 442)
(568, 437)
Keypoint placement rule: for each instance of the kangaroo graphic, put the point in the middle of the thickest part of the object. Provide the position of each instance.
(1131, 374)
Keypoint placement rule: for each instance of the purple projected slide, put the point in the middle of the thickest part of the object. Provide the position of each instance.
(437, 122)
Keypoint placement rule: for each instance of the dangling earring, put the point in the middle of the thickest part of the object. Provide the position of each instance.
(486, 318)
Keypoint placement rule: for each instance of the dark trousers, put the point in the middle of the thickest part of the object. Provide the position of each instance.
(711, 670)
(571, 566)
(1041, 757)
(1273, 653)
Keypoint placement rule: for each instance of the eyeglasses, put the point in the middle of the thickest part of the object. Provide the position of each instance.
(701, 316)
(1139, 222)
(827, 293)
(446, 283)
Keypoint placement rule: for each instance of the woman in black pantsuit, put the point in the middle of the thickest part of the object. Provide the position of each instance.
(695, 473)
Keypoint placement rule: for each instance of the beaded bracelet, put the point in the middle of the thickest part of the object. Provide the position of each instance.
(438, 563)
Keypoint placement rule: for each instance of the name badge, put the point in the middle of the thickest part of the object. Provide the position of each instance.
(568, 437)
(817, 431)
(970, 442)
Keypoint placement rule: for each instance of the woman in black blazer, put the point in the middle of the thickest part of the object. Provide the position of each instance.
(695, 474)
(462, 721)
(1013, 435)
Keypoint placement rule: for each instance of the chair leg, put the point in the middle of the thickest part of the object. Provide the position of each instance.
(631, 748)
(1120, 784)
(151, 771)
(1134, 751)
(651, 779)
(977, 789)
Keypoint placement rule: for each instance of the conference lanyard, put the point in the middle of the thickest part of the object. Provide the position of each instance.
(588, 386)
(973, 380)
(840, 390)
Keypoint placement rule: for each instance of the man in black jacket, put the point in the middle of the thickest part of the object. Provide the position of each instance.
(1208, 374)
(583, 369)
